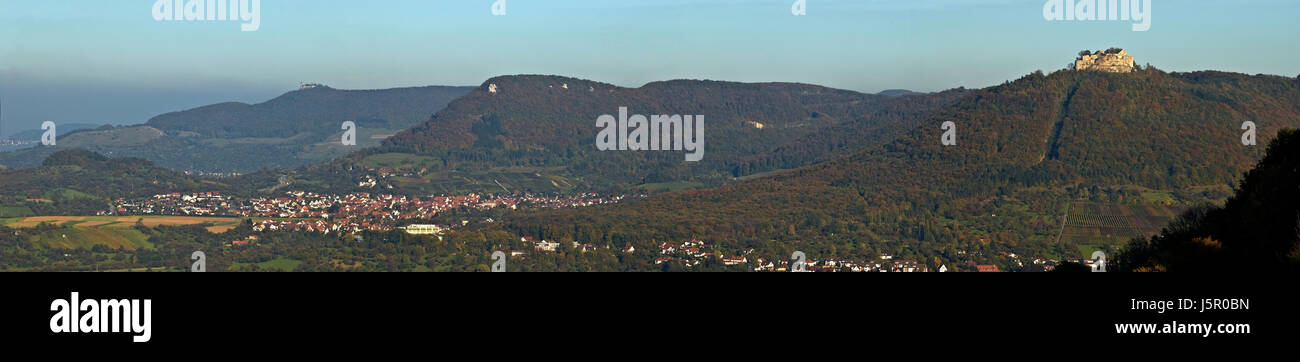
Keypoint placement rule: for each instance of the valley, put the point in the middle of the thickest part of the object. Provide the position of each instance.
(1034, 181)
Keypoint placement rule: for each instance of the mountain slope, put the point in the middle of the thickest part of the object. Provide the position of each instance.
(298, 128)
(34, 135)
(1025, 151)
(515, 129)
(79, 182)
(314, 111)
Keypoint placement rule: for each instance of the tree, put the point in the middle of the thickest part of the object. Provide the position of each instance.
(1257, 229)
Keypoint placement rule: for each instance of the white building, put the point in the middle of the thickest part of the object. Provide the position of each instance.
(418, 229)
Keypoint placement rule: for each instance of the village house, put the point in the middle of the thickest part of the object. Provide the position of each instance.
(734, 260)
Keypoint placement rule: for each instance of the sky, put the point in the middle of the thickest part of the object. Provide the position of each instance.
(111, 62)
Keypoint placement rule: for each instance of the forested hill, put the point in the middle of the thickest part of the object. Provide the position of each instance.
(1024, 150)
(547, 124)
(301, 127)
(79, 182)
(319, 110)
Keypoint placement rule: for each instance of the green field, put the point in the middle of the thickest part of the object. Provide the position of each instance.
(14, 211)
(1158, 197)
(280, 264)
(759, 175)
(80, 238)
(57, 194)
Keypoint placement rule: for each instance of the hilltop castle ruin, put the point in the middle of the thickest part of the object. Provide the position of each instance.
(1112, 60)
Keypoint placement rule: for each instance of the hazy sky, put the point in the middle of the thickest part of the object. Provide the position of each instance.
(98, 61)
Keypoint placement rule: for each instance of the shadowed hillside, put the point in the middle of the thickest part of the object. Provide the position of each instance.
(1258, 229)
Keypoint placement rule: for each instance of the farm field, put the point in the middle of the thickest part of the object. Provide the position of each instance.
(1090, 225)
(15, 211)
(111, 231)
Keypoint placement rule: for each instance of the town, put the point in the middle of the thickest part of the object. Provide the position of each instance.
(692, 253)
(15, 143)
(309, 211)
(361, 211)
